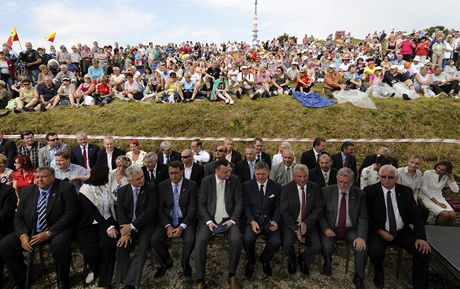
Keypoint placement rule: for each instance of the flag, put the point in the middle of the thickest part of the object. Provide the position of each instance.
(13, 37)
(51, 37)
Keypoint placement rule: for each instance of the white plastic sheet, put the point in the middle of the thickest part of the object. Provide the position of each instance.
(356, 97)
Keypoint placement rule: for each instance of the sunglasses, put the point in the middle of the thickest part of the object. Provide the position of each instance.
(26, 83)
(220, 151)
(387, 177)
(185, 157)
(54, 139)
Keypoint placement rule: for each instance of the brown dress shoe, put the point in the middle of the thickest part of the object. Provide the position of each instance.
(233, 283)
(201, 285)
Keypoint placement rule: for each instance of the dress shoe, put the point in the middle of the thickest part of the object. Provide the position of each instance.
(291, 268)
(201, 285)
(302, 265)
(187, 270)
(162, 270)
(267, 268)
(233, 283)
(249, 269)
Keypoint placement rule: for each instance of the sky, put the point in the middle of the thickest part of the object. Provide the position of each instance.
(160, 22)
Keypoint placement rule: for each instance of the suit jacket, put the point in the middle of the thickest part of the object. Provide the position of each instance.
(44, 157)
(175, 156)
(61, 210)
(256, 204)
(357, 209)
(316, 176)
(208, 196)
(309, 159)
(77, 157)
(243, 171)
(337, 162)
(279, 174)
(290, 205)
(102, 156)
(209, 168)
(187, 202)
(9, 149)
(236, 157)
(8, 203)
(370, 160)
(161, 174)
(197, 174)
(145, 208)
(406, 206)
(266, 158)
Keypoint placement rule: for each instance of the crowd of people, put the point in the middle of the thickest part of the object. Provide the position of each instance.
(107, 200)
(398, 64)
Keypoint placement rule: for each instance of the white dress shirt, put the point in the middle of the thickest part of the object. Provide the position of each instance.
(188, 171)
(201, 157)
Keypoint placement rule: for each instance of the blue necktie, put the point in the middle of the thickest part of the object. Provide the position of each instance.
(135, 197)
(41, 212)
(175, 211)
(251, 169)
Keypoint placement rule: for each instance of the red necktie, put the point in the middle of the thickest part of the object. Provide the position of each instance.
(346, 163)
(85, 157)
(342, 223)
(303, 210)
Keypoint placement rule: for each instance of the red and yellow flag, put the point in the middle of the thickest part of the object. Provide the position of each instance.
(51, 37)
(13, 37)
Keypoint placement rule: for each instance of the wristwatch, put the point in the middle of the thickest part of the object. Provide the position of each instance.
(48, 233)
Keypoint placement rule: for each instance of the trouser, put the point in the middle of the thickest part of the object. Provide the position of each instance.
(273, 244)
(447, 88)
(32, 75)
(159, 242)
(312, 245)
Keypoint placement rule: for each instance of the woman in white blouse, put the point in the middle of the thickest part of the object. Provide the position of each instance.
(117, 177)
(433, 181)
(135, 154)
(370, 174)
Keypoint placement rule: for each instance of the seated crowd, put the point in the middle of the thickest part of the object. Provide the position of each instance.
(399, 64)
(111, 199)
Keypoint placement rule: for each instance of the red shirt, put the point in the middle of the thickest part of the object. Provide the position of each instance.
(422, 48)
(103, 88)
(23, 181)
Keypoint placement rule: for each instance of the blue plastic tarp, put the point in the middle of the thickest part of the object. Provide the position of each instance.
(312, 99)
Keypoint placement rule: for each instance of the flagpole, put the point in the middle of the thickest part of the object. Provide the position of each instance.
(20, 46)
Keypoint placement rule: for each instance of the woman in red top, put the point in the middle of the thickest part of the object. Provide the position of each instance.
(422, 49)
(24, 174)
(302, 82)
(104, 92)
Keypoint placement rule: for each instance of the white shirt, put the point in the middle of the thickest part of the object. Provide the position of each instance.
(432, 188)
(405, 178)
(348, 221)
(201, 157)
(229, 157)
(109, 160)
(399, 221)
(188, 171)
(299, 191)
(369, 176)
(264, 184)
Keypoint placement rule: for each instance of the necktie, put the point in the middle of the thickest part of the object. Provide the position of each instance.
(303, 210)
(251, 169)
(220, 202)
(288, 174)
(85, 157)
(41, 212)
(175, 211)
(261, 192)
(167, 159)
(152, 176)
(326, 178)
(258, 158)
(135, 197)
(391, 214)
(317, 158)
(342, 223)
(346, 162)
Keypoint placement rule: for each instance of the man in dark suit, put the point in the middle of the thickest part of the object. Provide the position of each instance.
(345, 158)
(192, 170)
(219, 154)
(310, 158)
(282, 173)
(324, 175)
(46, 214)
(344, 218)
(136, 205)
(8, 201)
(9, 149)
(154, 172)
(245, 168)
(261, 156)
(167, 154)
(220, 203)
(370, 159)
(109, 155)
(232, 155)
(262, 215)
(177, 216)
(301, 207)
(84, 154)
(395, 219)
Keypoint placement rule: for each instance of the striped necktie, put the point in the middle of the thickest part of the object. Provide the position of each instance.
(41, 212)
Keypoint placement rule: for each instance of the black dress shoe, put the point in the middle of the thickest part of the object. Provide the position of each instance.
(162, 270)
(302, 265)
(249, 269)
(267, 268)
(187, 270)
(291, 268)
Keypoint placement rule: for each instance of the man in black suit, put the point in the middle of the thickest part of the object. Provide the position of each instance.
(8, 201)
(345, 158)
(261, 156)
(220, 203)
(324, 175)
(310, 158)
(109, 155)
(344, 218)
(84, 154)
(136, 206)
(154, 172)
(262, 211)
(395, 219)
(370, 159)
(45, 214)
(232, 155)
(245, 168)
(219, 154)
(177, 216)
(167, 154)
(192, 170)
(301, 206)
(9, 149)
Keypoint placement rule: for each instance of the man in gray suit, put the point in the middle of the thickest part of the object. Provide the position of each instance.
(220, 202)
(220, 153)
(46, 154)
(282, 173)
(344, 218)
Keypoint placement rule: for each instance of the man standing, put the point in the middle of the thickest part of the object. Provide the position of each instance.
(46, 154)
(220, 204)
(310, 158)
(84, 154)
(324, 175)
(31, 60)
(45, 214)
(245, 168)
(154, 172)
(344, 218)
(395, 219)
(283, 172)
(137, 202)
(177, 216)
(30, 147)
(261, 209)
(167, 154)
(261, 156)
(109, 155)
(9, 149)
(345, 158)
(232, 155)
(192, 170)
(301, 207)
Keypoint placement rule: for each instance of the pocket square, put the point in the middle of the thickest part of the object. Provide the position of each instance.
(272, 196)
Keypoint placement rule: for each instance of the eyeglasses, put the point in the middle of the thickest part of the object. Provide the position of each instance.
(26, 83)
(54, 139)
(387, 177)
(220, 151)
(185, 157)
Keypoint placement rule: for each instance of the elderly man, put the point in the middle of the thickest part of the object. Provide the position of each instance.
(282, 173)
(310, 158)
(45, 215)
(136, 206)
(220, 204)
(30, 147)
(8, 148)
(110, 153)
(344, 218)
(64, 72)
(84, 154)
(167, 154)
(332, 81)
(48, 93)
(394, 76)
(67, 171)
(324, 175)
(200, 156)
(301, 207)
(154, 172)
(394, 219)
(220, 153)
(192, 170)
(46, 154)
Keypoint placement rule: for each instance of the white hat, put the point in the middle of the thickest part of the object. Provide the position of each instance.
(378, 68)
(417, 58)
(332, 65)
